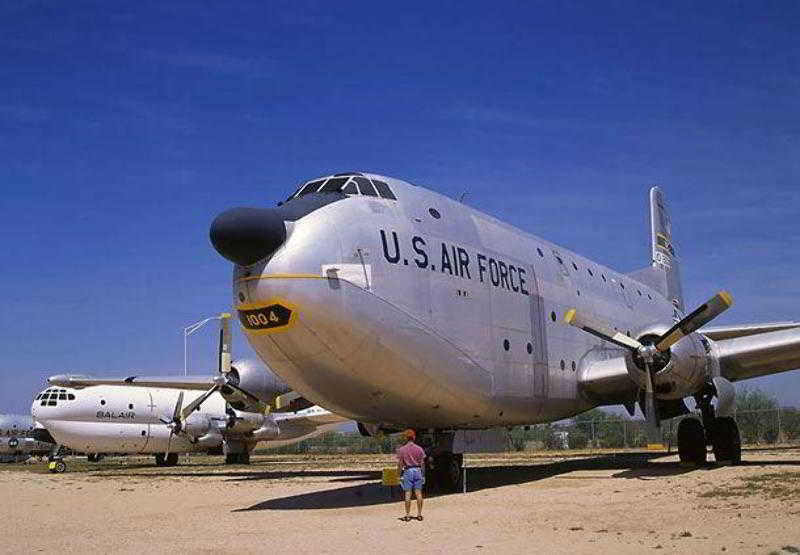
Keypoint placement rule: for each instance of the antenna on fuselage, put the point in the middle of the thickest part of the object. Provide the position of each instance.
(463, 196)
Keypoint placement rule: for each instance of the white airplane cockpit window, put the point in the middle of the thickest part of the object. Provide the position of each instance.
(62, 396)
(350, 188)
(71, 396)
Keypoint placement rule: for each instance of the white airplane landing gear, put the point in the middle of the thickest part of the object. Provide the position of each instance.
(166, 459)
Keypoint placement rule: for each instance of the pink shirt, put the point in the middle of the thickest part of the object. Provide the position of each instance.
(411, 454)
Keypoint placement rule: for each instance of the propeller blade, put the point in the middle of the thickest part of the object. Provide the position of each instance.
(197, 402)
(169, 444)
(177, 412)
(590, 325)
(225, 343)
(651, 418)
(219, 350)
(712, 308)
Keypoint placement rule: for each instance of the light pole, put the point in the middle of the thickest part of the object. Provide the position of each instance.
(189, 330)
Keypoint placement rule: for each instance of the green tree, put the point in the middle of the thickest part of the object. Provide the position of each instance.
(756, 416)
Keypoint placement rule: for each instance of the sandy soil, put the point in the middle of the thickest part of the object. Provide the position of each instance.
(517, 504)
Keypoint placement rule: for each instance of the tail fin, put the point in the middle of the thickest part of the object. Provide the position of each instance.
(664, 271)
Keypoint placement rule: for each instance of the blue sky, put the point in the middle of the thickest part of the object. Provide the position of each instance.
(125, 127)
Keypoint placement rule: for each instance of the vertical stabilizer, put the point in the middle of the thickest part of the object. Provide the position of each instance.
(663, 251)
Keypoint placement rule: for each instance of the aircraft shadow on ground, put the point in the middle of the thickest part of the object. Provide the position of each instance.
(245, 475)
(640, 466)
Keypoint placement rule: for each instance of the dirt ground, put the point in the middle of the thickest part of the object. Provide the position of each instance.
(516, 503)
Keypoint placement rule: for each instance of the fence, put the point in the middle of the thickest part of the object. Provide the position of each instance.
(611, 431)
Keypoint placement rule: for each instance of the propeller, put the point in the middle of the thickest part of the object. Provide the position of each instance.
(175, 424)
(653, 354)
(179, 415)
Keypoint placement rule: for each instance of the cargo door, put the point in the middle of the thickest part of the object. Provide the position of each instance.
(538, 356)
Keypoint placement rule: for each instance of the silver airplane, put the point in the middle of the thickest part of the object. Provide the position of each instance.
(398, 307)
(20, 439)
(242, 405)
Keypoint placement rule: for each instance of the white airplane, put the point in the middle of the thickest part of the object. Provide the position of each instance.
(398, 307)
(164, 416)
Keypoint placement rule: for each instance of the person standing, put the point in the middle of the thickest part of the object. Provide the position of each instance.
(411, 468)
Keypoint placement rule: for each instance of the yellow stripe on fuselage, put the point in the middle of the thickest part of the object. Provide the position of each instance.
(280, 276)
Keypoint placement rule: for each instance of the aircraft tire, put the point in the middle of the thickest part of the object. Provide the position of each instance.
(171, 459)
(94, 457)
(58, 467)
(447, 471)
(691, 442)
(726, 442)
(244, 458)
(160, 459)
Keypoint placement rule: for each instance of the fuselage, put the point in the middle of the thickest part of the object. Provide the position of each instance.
(421, 311)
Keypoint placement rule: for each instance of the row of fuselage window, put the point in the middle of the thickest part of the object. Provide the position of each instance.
(591, 273)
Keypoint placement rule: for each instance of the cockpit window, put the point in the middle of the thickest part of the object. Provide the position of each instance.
(71, 396)
(383, 189)
(333, 185)
(365, 186)
(350, 183)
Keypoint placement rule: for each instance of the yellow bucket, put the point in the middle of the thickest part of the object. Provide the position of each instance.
(389, 477)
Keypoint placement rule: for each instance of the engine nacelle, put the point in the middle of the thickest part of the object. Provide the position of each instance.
(269, 430)
(682, 371)
(209, 440)
(256, 379)
(197, 424)
(241, 422)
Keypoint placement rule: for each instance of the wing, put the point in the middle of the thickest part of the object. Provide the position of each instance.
(184, 382)
(717, 333)
(759, 354)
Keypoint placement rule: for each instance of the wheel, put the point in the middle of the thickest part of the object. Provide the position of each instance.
(171, 459)
(94, 457)
(232, 458)
(691, 441)
(244, 458)
(446, 471)
(57, 467)
(726, 442)
(160, 459)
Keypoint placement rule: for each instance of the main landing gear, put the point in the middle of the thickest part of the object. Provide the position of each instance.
(721, 432)
(164, 459)
(237, 458)
(236, 452)
(443, 468)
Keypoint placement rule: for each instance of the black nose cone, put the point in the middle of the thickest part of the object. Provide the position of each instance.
(246, 235)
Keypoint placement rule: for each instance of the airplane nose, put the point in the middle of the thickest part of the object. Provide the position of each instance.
(246, 235)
